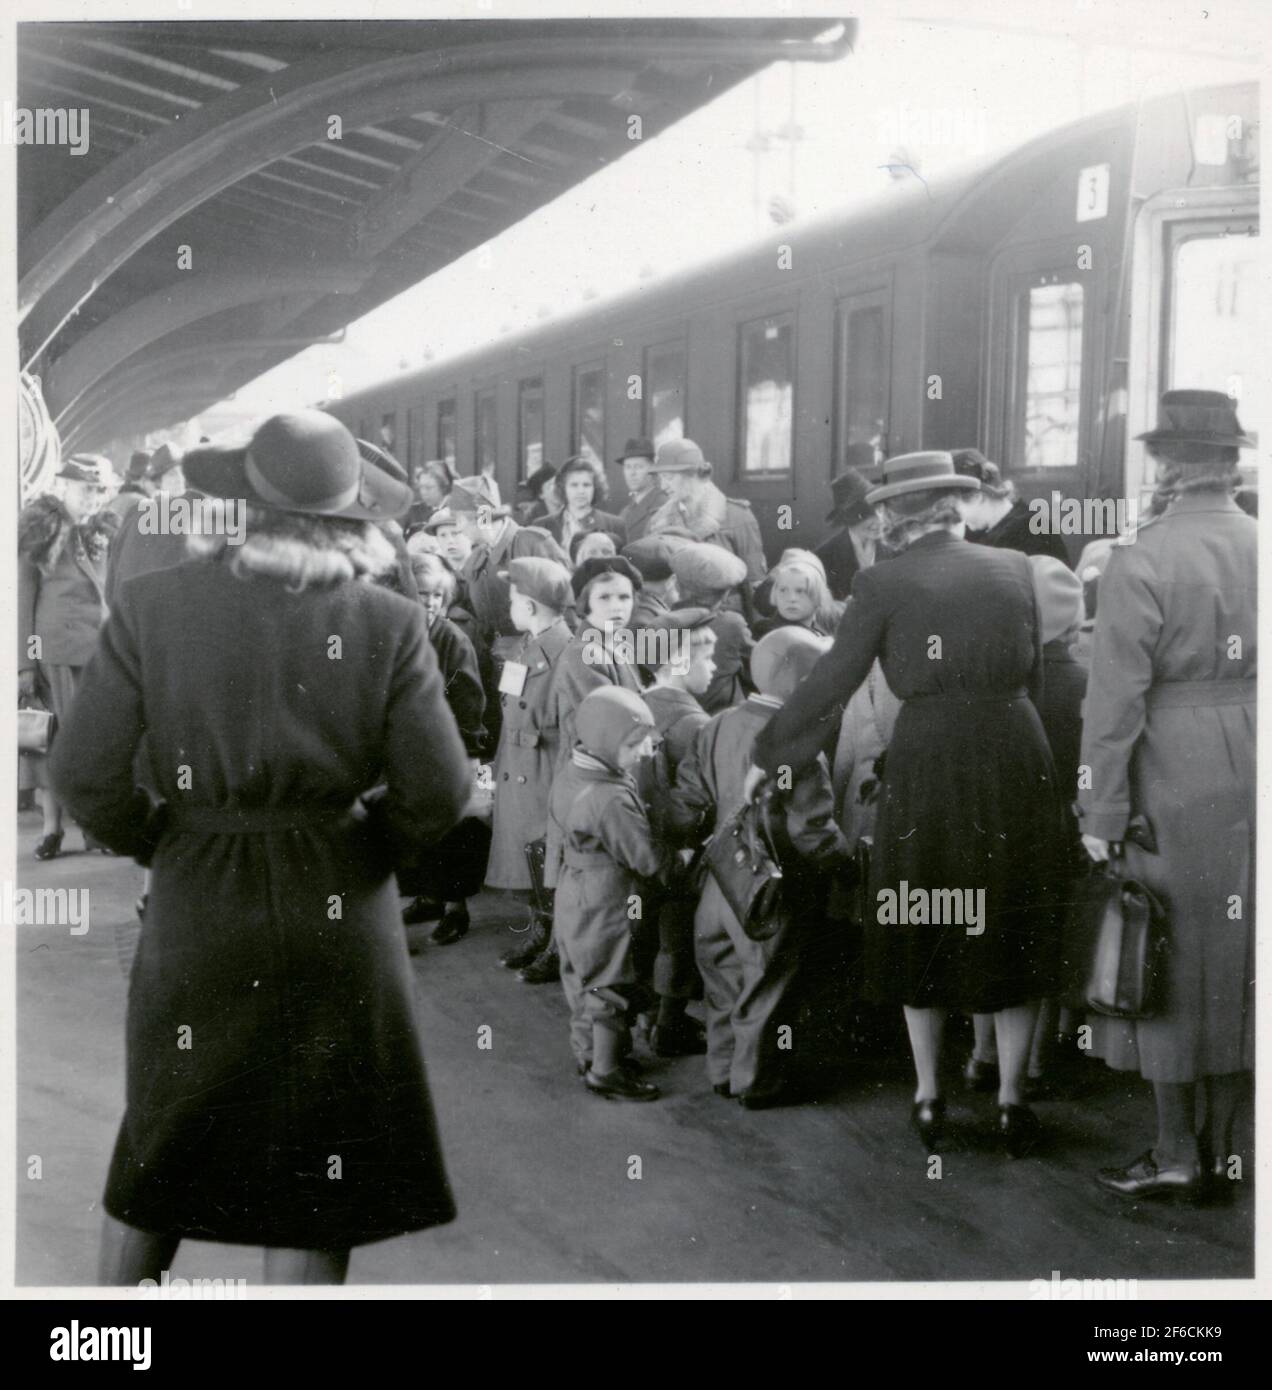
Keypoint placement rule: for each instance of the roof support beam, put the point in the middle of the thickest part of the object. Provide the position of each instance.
(195, 297)
(140, 194)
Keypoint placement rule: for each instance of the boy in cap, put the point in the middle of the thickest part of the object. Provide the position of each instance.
(608, 851)
(539, 593)
(681, 675)
(748, 982)
(705, 576)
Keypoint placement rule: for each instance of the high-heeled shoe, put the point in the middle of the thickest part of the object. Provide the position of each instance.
(50, 846)
(1019, 1130)
(928, 1118)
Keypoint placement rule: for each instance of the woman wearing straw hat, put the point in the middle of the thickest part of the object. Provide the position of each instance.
(1169, 738)
(276, 1092)
(968, 802)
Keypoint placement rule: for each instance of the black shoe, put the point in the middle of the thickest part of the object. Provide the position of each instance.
(422, 909)
(768, 1097)
(452, 927)
(619, 1085)
(519, 956)
(980, 1076)
(1019, 1130)
(1143, 1178)
(928, 1117)
(631, 1065)
(723, 1091)
(50, 846)
(544, 969)
(684, 1038)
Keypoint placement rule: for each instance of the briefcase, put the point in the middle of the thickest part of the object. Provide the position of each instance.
(742, 857)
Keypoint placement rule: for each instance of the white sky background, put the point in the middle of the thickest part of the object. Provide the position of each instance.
(946, 92)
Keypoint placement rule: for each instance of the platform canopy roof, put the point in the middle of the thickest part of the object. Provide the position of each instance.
(313, 170)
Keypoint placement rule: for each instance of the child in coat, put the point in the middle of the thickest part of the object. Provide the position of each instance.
(706, 576)
(686, 665)
(527, 756)
(435, 586)
(748, 982)
(608, 850)
(597, 655)
(800, 597)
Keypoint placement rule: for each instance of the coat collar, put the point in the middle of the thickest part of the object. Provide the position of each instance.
(1202, 502)
(551, 642)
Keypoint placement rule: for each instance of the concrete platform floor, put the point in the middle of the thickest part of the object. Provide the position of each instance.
(836, 1191)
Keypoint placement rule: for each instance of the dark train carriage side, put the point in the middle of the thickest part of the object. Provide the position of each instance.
(1033, 307)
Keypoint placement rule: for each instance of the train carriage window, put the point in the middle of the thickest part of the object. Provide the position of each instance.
(1213, 320)
(388, 431)
(484, 431)
(766, 359)
(530, 425)
(446, 431)
(1046, 418)
(864, 379)
(665, 373)
(589, 413)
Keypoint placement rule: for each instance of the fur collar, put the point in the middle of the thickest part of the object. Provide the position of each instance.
(705, 519)
(45, 529)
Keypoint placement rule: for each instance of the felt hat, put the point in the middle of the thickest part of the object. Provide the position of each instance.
(929, 471)
(305, 462)
(163, 458)
(443, 516)
(607, 717)
(652, 557)
(1198, 417)
(87, 468)
(543, 474)
(971, 463)
(542, 580)
(680, 456)
(637, 449)
(1060, 596)
(603, 564)
(137, 466)
(702, 566)
(782, 659)
(849, 491)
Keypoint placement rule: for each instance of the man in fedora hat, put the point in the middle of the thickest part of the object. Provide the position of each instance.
(852, 547)
(645, 496)
(136, 551)
(133, 489)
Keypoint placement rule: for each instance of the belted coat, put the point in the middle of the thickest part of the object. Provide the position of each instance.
(276, 1092)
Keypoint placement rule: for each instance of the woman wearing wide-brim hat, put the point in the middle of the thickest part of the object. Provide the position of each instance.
(1169, 737)
(276, 1092)
(968, 802)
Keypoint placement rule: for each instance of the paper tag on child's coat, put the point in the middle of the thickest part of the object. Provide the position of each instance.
(512, 680)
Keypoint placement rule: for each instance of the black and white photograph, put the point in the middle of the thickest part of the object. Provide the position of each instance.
(636, 642)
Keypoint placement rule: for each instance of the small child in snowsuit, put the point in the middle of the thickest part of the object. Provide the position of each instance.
(607, 852)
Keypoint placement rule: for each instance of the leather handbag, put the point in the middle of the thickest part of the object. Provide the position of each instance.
(1127, 961)
(742, 857)
(35, 730)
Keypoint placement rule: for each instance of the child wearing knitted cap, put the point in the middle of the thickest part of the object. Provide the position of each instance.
(749, 983)
(608, 851)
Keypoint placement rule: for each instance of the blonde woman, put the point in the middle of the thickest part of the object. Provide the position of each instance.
(272, 1043)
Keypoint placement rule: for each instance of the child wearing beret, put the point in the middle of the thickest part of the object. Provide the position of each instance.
(608, 851)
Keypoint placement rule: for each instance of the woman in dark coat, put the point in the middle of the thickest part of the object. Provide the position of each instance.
(996, 516)
(276, 1089)
(1169, 736)
(969, 810)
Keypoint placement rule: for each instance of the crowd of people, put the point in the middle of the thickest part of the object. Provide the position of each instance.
(929, 709)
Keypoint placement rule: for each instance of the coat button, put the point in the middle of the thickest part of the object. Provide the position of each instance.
(521, 779)
(521, 703)
(505, 776)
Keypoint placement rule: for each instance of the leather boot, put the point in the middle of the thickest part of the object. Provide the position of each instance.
(529, 944)
(544, 969)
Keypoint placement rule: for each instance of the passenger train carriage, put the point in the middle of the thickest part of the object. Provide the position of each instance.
(1034, 307)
